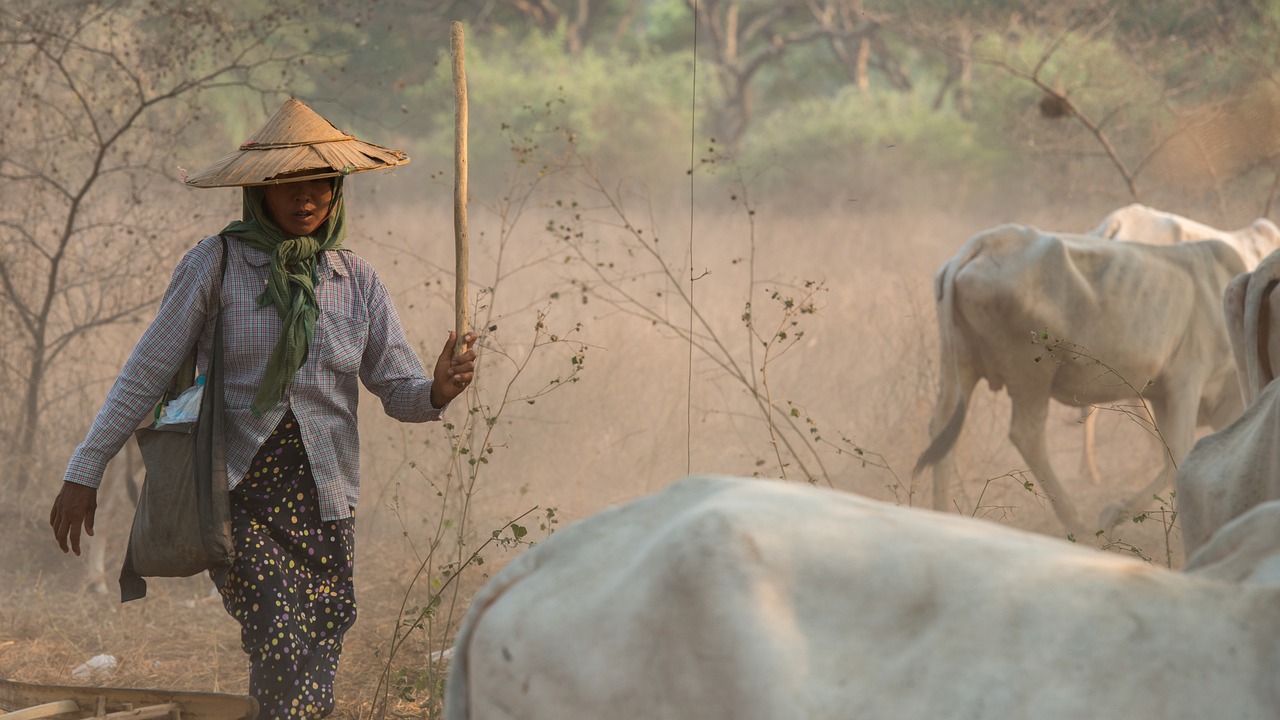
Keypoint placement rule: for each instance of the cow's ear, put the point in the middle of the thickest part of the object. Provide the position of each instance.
(1245, 550)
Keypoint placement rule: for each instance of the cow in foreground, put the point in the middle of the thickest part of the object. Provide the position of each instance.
(1140, 223)
(1232, 470)
(1083, 321)
(746, 599)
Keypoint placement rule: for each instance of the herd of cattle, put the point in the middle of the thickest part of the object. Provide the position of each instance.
(724, 597)
(1134, 307)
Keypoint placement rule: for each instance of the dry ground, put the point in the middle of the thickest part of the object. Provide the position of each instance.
(180, 638)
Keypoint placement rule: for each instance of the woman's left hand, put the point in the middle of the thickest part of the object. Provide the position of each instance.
(453, 373)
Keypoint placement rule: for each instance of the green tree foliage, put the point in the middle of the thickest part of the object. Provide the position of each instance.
(627, 112)
(1138, 74)
(888, 144)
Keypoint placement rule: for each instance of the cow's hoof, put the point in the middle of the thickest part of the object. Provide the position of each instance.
(1113, 515)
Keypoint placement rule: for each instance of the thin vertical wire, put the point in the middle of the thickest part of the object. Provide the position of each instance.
(693, 135)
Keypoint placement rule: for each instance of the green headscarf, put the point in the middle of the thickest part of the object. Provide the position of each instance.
(291, 284)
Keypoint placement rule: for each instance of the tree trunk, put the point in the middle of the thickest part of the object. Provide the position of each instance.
(28, 432)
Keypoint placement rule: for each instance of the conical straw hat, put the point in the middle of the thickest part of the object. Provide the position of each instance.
(298, 143)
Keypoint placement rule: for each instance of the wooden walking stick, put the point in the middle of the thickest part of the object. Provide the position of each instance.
(459, 185)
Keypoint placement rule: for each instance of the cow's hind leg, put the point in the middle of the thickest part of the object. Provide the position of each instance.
(1089, 455)
(1026, 431)
(1175, 428)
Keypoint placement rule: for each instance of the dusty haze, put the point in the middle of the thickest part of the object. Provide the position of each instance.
(646, 409)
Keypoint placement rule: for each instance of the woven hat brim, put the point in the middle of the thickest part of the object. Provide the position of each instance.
(295, 143)
(266, 166)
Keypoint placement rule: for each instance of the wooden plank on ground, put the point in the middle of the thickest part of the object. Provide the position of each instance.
(193, 705)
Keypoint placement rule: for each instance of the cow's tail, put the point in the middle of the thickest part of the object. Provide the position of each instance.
(943, 441)
(457, 689)
(1257, 325)
(951, 347)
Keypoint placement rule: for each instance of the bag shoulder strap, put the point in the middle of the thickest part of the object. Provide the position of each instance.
(222, 272)
(185, 377)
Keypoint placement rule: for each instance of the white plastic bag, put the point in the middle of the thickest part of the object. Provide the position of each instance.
(97, 667)
(185, 408)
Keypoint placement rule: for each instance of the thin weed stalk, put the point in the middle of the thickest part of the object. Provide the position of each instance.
(609, 283)
(472, 442)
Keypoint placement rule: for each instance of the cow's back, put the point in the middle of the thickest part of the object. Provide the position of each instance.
(1140, 223)
(1041, 304)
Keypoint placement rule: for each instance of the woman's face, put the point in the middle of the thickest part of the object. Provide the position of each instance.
(298, 208)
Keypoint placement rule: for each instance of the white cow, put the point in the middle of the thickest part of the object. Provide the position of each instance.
(1232, 470)
(744, 599)
(1145, 317)
(1140, 223)
(1251, 308)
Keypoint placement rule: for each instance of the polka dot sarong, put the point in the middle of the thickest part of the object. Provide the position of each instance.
(291, 585)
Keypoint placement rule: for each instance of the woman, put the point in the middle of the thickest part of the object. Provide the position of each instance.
(304, 318)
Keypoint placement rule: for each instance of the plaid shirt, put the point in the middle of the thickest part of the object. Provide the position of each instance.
(357, 335)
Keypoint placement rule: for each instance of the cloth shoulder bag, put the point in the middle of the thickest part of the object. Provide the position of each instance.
(182, 525)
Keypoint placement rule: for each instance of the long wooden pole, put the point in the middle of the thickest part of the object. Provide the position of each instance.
(459, 185)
